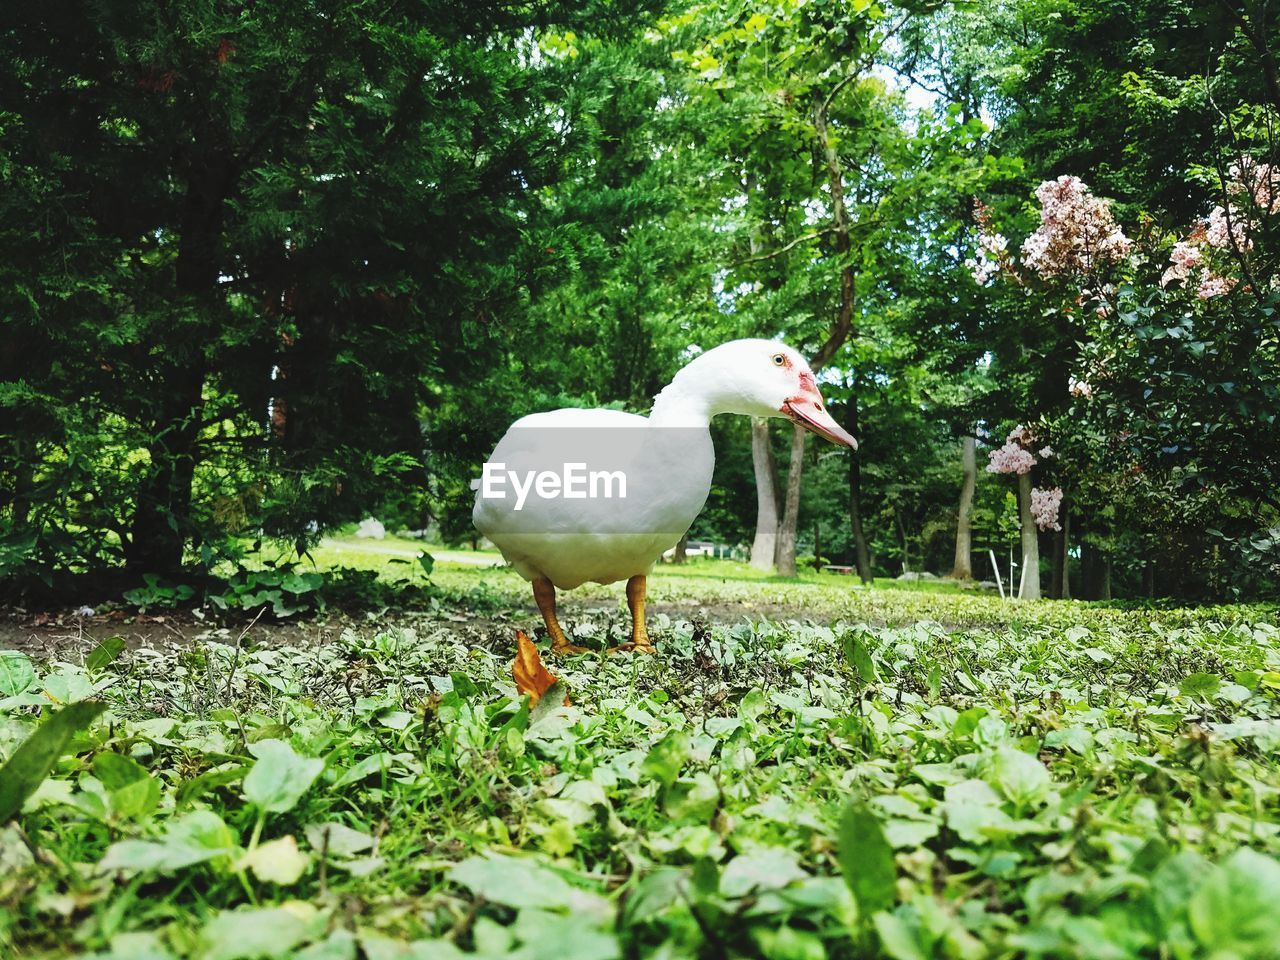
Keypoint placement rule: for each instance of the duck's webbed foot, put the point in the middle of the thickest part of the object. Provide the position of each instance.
(544, 594)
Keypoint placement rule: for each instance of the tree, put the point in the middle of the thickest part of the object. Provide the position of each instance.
(962, 569)
(217, 213)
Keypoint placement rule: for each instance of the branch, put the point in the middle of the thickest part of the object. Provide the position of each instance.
(826, 104)
(781, 250)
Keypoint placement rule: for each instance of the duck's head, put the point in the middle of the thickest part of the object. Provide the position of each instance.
(762, 378)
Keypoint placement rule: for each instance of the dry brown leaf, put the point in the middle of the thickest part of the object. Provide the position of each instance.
(530, 675)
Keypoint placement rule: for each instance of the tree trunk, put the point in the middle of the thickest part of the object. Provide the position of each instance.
(1064, 518)
(678, 555)
(1104, 590)
(1030, 577)
(862, 559)
(1090, 572)
(962, 569)
(786, 553)
(1149, 580)
(1055, 567)
(902, 538)
(765, 545)
(786, 557)
(162, 518)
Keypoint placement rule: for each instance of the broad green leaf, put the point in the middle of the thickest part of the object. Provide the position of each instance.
(337, 839)
(973, 811)
(340, 945)
(1202, 686)
(547, 935)
(513, 881)
(297, 583)
(265, 933)
(104, 654)
(859, 658)
(376, 763)
(551, 701)
(427, 562)
(666, 758)
(1233, 911)
(136, 946)
(133, 791)
(1173, 884)
(194, 838)
(866, 860)
(655, 894)
(37, 754)
(1022, 778)
(16, 673)
(899, 938)
(280, 776)
(760, 868)
(692, 798)
(68, 685)
(191, 790)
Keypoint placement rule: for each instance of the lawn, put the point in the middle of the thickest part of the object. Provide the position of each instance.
(806, 769)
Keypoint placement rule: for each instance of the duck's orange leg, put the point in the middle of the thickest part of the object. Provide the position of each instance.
(640, 641)
(544, 594)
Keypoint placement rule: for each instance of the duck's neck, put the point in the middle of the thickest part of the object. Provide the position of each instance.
(680, 405)
(709, 385)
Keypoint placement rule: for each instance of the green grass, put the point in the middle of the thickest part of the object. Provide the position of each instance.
(887, 772)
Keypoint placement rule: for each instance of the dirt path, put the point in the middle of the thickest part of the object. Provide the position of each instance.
(65, 636)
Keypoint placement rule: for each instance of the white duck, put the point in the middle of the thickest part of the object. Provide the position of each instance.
(576, 495)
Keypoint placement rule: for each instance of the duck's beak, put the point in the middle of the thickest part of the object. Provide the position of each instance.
(810, 412)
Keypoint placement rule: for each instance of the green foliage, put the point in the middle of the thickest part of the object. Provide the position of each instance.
(294, 247)
(25, 769)
(1041, 779)
(285, 590)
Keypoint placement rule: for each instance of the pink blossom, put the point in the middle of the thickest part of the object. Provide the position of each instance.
(1185, 257)
(1079, 388)
(982, 269)
(1077, 232)
(993, 248)
(1227, 229)
(1044, 507)
(1215, 286)
(1011, 458)
(1020, 434)
(1258, 181)
(1046, 452)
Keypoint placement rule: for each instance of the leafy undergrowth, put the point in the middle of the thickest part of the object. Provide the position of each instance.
(1064, 781)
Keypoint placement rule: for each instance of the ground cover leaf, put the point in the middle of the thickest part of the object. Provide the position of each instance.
(280, 776)
(36, 755)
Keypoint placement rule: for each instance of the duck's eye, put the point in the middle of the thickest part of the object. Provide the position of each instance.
(779, 359)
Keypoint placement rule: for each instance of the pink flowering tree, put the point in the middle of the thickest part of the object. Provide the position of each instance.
(1039, 291)
(1176, 374)
(1037, 509)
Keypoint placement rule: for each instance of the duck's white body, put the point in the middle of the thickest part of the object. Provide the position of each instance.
(667, 458)
(569, 542)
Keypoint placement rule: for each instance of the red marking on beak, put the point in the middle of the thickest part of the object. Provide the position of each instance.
(809, 412)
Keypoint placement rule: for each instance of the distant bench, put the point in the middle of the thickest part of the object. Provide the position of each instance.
(835, 568)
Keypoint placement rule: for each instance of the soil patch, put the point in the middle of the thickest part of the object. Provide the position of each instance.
(66, 635)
